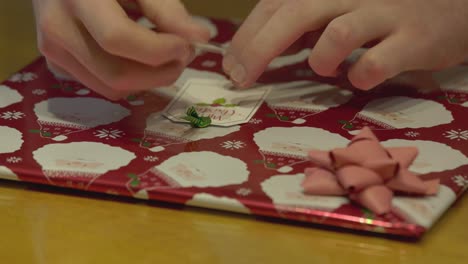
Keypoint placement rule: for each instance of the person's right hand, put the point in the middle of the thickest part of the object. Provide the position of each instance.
(96, 43)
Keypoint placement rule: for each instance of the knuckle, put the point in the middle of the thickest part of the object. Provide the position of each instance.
(339, 33)
(169, 78)
(111, 39)
(118, 82)
(46, 33)
(374, 66)
(45, 46)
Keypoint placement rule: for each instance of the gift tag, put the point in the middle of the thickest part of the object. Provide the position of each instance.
(217, 99)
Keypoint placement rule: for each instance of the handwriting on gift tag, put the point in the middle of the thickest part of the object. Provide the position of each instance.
(217, 100)
(216, 114)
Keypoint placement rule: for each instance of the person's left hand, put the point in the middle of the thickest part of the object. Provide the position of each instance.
(409, 35)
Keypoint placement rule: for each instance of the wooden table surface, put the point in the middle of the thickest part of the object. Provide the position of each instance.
(45, 225)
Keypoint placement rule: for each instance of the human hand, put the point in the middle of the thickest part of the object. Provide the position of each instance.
(408, 35)
(96, 43)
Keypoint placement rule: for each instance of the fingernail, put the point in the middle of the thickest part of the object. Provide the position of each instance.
(238, 74)
(188, 55)
(228, 63)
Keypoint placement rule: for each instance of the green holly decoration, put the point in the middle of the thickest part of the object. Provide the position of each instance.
(195, 119)
(46, 134)
(146, 144)
(267, 164)
(134, 180)
(139, 140)
(282, 118)
(218, 102)
(346, 124)
(42, 133)
(368, 214)
(131, 98)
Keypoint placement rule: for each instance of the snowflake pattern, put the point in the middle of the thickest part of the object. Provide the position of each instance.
(255, 121)
(10, 115)
(456, 134)
(23, 77)
(150, 158)
(38, 91)
(109, 133)
(14, 159)
(233, 144)
(412, 134)
(461, 181)
(244, 191)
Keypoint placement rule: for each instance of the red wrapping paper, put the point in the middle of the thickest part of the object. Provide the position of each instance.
(127, 149)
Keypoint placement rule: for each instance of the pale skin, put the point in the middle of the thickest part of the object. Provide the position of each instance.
(405, 36)
(96, 43)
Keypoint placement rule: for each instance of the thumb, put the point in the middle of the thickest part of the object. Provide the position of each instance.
(170, 16)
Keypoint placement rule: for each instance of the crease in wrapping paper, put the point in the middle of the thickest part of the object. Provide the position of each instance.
(367, 172)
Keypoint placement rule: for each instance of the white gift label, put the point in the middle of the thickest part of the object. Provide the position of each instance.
(225, 105)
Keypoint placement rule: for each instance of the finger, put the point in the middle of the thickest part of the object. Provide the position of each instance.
(123, 74)
(259, 16)
(58, 71)
(63, 61)
(117, 73)
(308, 40)
(342, 36)
(286, 26)
(117, 34)
(172, 17)
(392, 56)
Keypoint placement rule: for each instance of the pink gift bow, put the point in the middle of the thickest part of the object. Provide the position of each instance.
(367, 172)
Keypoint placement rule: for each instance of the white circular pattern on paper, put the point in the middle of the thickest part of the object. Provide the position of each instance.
(85, 112)
(432, 157)
(11, 139)
(210, 201)
(204, 169)
(8, 96)
(307, 96)
(453, 79)
(425, 211)
(297, 141)
(81, 158)
(7, 174)
(286, 191)
(405, 112)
